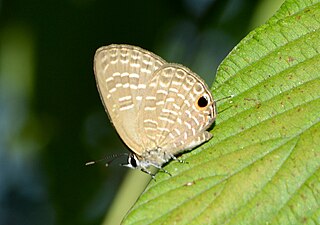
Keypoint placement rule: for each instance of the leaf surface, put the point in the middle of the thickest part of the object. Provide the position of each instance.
(263, 163)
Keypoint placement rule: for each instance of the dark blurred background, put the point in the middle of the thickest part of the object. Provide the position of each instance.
(51, 117)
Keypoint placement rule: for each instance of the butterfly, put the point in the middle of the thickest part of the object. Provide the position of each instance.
(159, 109)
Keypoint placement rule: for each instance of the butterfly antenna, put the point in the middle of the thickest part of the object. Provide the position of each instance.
(109, 159)
(230, 96)
(224, 98)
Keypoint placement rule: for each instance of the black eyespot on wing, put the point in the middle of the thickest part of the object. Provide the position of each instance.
(202, 102)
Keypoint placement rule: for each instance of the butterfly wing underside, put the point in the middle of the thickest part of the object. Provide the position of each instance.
(172, 119)
(122, 73)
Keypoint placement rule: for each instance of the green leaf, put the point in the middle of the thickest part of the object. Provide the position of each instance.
(263, 163)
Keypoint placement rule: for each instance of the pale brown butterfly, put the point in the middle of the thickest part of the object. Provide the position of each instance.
(159, 109)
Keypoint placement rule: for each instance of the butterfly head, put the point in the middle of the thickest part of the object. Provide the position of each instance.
(133, 162)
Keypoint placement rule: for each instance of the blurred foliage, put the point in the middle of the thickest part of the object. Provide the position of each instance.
(51, 117)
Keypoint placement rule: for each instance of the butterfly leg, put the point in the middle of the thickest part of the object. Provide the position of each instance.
(162, 170)
(171, 156)
(148, 172)
(165, 171)
(178, 160)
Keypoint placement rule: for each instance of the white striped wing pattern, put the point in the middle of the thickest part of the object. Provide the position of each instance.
(159, 109)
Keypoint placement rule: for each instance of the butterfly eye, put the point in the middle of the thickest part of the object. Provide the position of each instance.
(132, 161)
(202, 102)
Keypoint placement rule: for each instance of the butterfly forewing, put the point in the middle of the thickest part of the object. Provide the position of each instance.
(122, 72)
